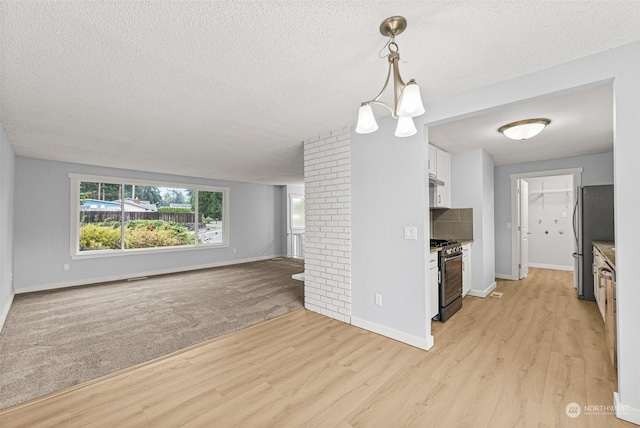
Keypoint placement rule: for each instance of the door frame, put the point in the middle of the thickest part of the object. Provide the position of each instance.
(515, 236)
(520, 227)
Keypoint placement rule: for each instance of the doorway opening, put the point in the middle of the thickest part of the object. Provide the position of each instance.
(543, 221)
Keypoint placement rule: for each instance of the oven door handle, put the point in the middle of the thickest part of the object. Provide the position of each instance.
(457, 256)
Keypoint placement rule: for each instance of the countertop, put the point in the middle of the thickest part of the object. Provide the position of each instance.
(607, 248)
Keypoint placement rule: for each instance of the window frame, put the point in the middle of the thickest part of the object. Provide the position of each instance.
(75, 180)
(293, 229)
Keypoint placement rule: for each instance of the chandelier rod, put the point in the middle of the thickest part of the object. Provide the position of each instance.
(398, 84)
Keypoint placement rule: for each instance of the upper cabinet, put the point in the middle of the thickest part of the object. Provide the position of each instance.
(431, 161)
(443, 191)
(439, 166)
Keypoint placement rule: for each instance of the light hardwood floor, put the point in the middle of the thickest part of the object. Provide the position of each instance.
(518, 360)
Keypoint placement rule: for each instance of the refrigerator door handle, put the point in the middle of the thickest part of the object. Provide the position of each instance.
(575, 217)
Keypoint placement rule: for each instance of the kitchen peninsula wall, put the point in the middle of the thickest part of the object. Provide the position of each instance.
(452, 223)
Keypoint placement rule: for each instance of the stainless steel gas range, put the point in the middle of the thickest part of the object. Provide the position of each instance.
(449, 277)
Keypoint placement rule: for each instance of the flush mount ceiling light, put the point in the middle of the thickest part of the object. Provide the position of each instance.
(524, 129)
(406, 96)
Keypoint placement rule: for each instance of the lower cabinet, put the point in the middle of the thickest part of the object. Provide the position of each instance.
(599, 286)
(466, 268)
(604, 288)
(433, 283)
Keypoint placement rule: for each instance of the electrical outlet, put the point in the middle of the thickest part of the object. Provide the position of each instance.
(66, 266)
(234, 251)
(379, 299)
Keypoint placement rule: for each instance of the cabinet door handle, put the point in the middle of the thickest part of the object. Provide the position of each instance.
(439, 199)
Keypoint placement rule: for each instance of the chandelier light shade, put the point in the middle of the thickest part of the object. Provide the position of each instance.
(406, 127)
(524, 129)
(411, 102)
(407, 102)
(366, 121)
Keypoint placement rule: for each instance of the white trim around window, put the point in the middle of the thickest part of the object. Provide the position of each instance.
(76, 179)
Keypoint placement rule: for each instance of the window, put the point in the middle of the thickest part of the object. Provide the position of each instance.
(297, 212)
(295, 247)
(113, 216)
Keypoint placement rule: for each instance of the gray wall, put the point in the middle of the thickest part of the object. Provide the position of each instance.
(472, 187)
(488, 221)
(42, 205)
(387, 194)
(7, 171)
(598, 169)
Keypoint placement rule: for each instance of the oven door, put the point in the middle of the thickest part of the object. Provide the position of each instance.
(451, 280)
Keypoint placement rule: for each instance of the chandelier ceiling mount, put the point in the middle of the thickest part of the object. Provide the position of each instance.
(407, 102)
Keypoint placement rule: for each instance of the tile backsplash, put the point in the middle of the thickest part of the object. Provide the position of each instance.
(452, 223)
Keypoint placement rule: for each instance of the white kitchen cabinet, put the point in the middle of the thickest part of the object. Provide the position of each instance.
(431, 160)
(466, 268)
(439, 166)
(599, 288)
(433, 283)
(443, 192)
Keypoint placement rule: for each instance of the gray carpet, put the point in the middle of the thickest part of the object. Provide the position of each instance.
(55, 339)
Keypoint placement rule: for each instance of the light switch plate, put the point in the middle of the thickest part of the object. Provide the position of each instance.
(411, 232)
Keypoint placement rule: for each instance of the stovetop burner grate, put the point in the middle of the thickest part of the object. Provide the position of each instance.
(437, 243)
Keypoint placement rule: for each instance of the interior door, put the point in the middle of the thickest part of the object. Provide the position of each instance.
(523, 227)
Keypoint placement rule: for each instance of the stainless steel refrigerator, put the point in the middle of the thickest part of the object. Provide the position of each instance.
(592, 221)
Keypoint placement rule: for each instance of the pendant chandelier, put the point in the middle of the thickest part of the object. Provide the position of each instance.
(406, 96)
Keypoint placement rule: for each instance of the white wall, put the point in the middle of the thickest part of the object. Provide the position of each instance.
(622, 66)
(42, 209)
(387, 194)
(472, 187)
(551, 242)
(597, 169)
(7, 171)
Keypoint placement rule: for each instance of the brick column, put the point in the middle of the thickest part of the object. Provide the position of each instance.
(327, 178)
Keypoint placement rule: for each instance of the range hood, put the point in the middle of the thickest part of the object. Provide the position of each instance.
(434, 182)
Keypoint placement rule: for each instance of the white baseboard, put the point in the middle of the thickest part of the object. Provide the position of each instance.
(4, 311)
(418, 342)
(482, 293)
(96, 280)
(504, 276)
(624, 412)
(553, 267)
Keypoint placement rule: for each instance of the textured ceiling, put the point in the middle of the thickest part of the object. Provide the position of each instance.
(229, 90)
(581, 124)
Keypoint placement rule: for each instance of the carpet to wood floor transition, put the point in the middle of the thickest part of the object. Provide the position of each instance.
(55, 339)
